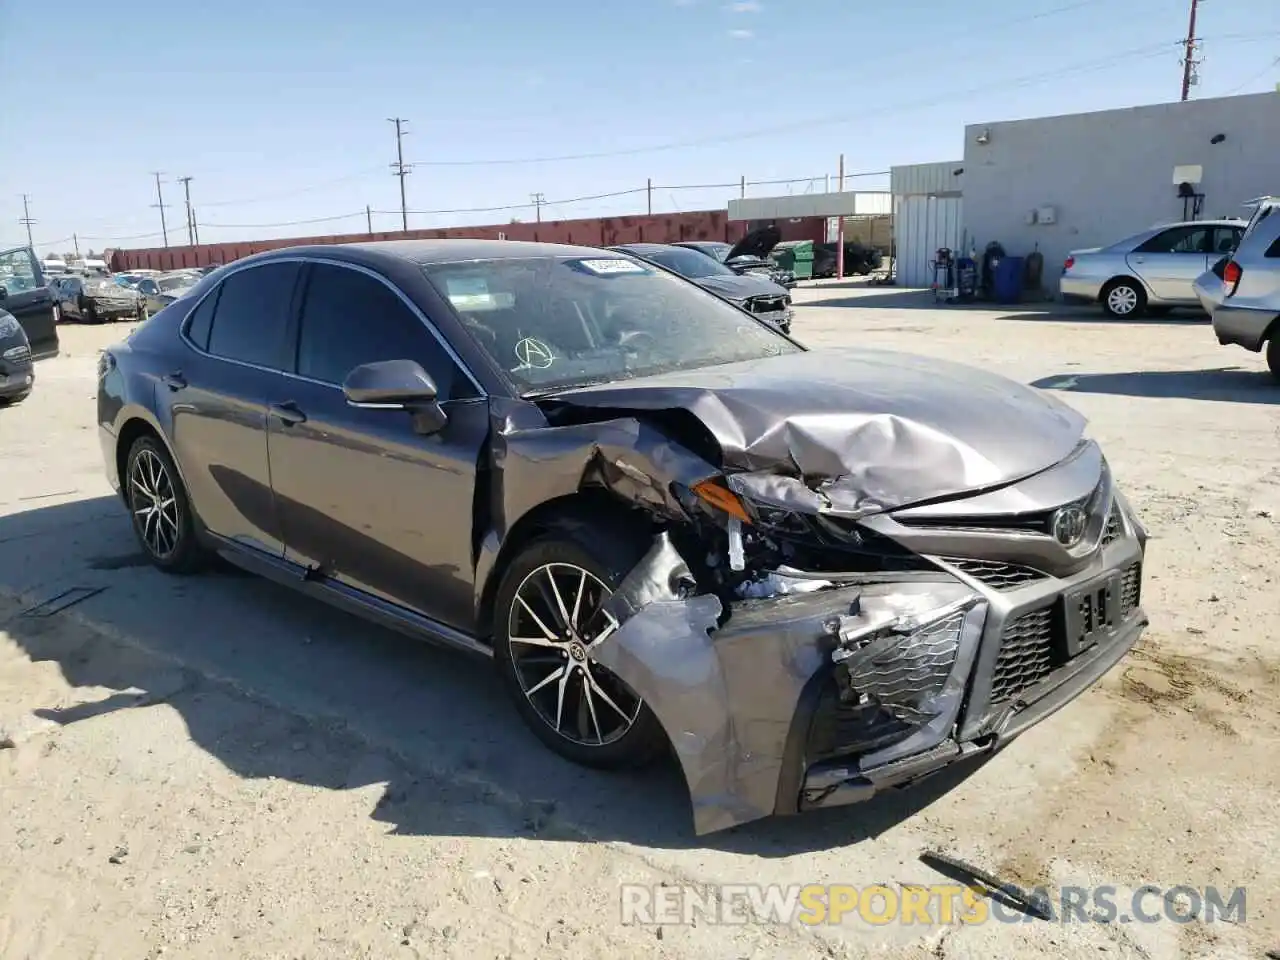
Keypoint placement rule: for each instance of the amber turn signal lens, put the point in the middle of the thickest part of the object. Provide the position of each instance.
(716, 494)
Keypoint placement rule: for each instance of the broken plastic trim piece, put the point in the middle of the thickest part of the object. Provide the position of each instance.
(910, 648)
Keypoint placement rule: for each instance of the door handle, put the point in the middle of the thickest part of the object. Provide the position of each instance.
(287, 413)
(174, 381)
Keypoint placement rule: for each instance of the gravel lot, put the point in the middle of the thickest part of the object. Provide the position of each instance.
(214, 767)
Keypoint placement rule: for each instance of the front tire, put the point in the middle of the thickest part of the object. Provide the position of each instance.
(1273, 356)
(1124, 299)
(547, 615)
(160, 509)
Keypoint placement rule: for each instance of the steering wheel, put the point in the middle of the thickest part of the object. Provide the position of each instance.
(638, 341)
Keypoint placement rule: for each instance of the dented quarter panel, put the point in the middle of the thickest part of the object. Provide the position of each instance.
(862, 431)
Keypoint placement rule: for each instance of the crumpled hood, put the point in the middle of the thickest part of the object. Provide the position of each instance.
(742, 286)
(856, 432)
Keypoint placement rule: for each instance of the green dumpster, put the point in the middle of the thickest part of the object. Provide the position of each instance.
(795, 256)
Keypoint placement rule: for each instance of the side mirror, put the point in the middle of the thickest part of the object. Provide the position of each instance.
(396, 385)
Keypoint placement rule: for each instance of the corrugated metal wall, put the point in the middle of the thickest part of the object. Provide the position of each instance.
(925, 178)
(922, 224)
(600, 231)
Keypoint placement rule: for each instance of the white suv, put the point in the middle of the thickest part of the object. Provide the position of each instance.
(1243, 295)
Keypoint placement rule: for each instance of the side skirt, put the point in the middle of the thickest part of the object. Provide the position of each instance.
(345, 597)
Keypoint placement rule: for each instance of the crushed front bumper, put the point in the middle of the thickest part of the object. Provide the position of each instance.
(762, 718)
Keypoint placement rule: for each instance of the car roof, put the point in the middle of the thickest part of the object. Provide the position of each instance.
(444, 251)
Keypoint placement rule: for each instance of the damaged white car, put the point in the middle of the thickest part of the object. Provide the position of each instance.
(811, 575)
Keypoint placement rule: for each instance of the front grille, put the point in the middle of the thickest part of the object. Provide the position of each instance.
(1114, 527)
(843, 728)
(1131, 589)
(18, 354)
(767, 304)
(998, 576)
(1026, 654)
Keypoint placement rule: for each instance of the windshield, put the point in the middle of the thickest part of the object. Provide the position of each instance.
(693, 264)
(179, 282)
(553, 323)
(718, 250)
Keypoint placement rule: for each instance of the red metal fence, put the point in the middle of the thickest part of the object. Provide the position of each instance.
(604, 231)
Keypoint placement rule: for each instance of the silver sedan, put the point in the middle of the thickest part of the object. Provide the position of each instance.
(1149, 272)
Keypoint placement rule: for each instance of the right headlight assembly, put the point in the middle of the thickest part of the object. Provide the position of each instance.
(8, 325)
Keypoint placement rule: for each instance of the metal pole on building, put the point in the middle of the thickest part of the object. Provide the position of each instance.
(164, 227)
(649, 194)
(195, 227)
(26, 219)
(75, 244)
(400, 170)
(742, 188)
(1189, 62)
(538, 200)
(840, 230)
(186, 189)
(368, 218)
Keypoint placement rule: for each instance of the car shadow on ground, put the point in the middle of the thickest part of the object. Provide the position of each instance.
(274, 684)
(1059, 313)
(1224, 384)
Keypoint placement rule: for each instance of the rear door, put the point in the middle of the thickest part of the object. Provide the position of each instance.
(215, 397)
(1170, 262)
(24, 294)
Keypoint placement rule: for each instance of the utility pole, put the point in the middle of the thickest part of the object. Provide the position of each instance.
(399, 169)
(649, 193)
(26, 219)
(164, 227)
(742, 187)
(840, 229)
(75, 244)
(368, 218)
(538, 200)
(1189, 61)
(195, 226)
(191, 230)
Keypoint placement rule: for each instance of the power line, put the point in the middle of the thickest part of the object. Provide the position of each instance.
(399, 169)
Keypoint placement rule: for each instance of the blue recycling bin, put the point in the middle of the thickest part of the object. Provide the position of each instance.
(1007, 279)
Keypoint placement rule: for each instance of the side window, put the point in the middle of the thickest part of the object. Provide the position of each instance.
(1178, 240)
(349, 318)
(252, 313)
(1225, 240)
(200, 322)
(148, 287)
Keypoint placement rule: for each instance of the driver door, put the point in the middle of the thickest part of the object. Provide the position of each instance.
(24, 294)
(363, 497)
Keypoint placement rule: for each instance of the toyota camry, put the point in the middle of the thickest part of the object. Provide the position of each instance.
(809, 575)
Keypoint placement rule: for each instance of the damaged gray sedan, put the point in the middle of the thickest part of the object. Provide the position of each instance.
(810, 575)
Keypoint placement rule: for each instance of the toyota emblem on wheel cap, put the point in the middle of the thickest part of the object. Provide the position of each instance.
(1068, 525)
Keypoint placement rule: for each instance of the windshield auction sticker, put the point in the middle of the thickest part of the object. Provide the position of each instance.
(611, 267)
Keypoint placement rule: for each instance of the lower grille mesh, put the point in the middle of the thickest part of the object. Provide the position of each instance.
(1131, 589)
(999, 576)
(1026, 654)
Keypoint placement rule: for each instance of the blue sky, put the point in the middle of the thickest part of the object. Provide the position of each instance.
(276, 108)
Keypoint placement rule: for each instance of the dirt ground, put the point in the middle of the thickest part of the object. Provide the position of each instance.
(214, 767)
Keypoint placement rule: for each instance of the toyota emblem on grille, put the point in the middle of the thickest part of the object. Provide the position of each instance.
(1068, 525)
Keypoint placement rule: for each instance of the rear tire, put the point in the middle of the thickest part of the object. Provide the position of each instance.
(1124, 299)
(1273, 356)
(160, 509)
(603, 722)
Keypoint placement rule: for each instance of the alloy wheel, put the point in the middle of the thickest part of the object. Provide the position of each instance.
(154, 503)
(556, 622)
(1122, 300)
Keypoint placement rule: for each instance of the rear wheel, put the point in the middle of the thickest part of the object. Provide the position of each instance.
(161, 511)
(548, 620)
(1273, 356)
(1124, 299)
